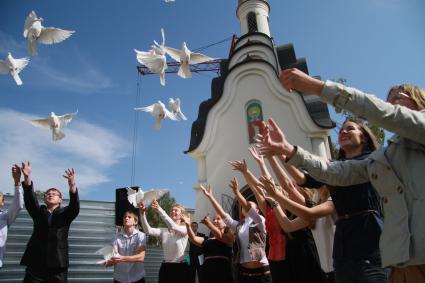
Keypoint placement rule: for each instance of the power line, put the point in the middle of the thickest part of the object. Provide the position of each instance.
(135, 135)
(213, 44)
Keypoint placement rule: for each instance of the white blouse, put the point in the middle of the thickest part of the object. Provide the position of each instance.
(173, 243)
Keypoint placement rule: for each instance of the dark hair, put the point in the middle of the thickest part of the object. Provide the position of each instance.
(53, 189)
(371, 143)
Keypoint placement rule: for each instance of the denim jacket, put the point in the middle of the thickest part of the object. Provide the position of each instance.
(396, 171)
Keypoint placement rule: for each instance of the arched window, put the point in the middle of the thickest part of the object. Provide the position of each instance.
(252, 22)
(254, 117)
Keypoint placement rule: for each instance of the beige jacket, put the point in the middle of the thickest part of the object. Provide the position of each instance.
(396, 171)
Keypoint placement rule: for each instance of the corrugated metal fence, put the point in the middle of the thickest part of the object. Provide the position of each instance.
(91, 230)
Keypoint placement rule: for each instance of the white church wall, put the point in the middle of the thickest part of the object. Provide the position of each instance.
(256, 53)
(261, 11)
(226, 132)
(254, 38)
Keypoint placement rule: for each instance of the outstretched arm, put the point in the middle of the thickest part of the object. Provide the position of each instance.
(145, 225)
(73, 208)
(218, 208)
(222, 236)
(196, 240)
(252, 182)
(287, 224)
(30, 199)
(285, 181)
(335, 173)
(406, 122)
(296, 174)
(241, 199)
(18, 200)
(167, 219)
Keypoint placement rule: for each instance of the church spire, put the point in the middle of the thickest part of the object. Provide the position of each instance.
(254, 16)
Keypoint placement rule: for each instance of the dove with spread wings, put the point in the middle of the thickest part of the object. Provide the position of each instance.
(13, 67)
(107, 252)
(55, 123)
(155, 59)
(186, 58)
(159, 112)
(35, 33)
(135, 197)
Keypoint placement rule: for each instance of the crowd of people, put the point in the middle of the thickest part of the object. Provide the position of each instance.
(374, 196)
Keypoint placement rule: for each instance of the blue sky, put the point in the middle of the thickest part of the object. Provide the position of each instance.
(372, 43)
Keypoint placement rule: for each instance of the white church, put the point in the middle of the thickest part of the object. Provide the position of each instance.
(247, 92)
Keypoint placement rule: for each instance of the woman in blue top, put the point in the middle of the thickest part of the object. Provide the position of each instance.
(359, 218)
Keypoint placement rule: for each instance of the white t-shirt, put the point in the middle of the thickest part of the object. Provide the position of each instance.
(127, 272)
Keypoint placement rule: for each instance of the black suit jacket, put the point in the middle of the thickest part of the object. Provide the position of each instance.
(48, 245)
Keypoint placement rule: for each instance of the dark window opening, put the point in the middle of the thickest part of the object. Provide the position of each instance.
(252, 22)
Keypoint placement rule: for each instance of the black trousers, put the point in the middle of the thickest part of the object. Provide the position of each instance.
(171, 272)
(139, 281)
(46, 275)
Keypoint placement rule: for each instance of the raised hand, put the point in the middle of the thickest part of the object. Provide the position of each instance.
(16, 174)
(270, 200)
(185, 219)
(294, 79)
(206, 219)
(207, 191)
(269, 185)
(155, 205)
(142, 208)
(239, 166)
(273, 142)
(234, 185)
(257, 156)
(26, 171)
(70, 175)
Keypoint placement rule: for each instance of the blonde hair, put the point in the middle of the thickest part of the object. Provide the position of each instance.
(179, 206)
(182, 211)
(416, 93)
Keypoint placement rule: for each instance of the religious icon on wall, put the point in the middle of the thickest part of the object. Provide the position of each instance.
(254, 115)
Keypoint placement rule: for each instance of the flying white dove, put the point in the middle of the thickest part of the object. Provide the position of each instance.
(158, 111)
(107, 252)
(136, 197)
(154, 59)
(55, 123)
(34, 32)
(185, 57)
(175, 108)
(13, 67)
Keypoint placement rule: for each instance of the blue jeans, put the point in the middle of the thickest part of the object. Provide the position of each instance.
(368, 270)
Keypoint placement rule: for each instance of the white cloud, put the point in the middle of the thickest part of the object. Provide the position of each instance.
(92, 150)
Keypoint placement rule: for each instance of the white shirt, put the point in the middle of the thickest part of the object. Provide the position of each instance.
(173, 243)
(7, 217)
(127, 272)
(252, 219)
